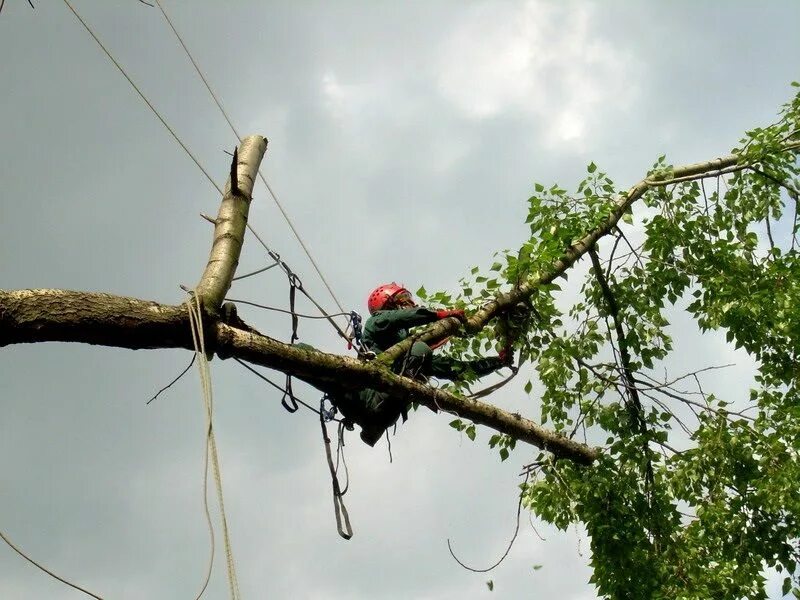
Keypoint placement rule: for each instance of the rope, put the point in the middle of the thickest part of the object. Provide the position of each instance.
(198, 337)
(283, 310)
(277, 387)
(197, 162)
(289, 273)
(256, 272)
(142, 96)
(260, 175)
(40, 567)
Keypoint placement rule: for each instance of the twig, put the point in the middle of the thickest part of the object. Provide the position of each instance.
(510, 544)
(668, 384)
(633, 250)
(792, 191)
(171, 383)
(613, 251)
(625, 358)
(716, 411)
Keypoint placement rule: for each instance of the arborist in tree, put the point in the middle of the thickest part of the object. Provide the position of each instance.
(393, 313)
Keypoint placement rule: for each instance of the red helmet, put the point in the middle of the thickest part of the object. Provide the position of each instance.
(382, 294)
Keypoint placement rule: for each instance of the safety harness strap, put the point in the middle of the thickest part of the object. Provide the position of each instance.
(340, 510)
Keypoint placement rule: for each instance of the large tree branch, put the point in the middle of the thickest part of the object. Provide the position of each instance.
(28, 316)
(503, 302)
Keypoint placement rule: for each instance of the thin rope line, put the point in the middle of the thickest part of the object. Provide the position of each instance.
(256, 272)
(276, 258)
(192, 156)
(283, 310)
(277, 387)
(260, 175)
(152, 108)
(41, 568)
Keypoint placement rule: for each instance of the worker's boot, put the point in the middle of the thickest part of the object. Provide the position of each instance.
(371, 433)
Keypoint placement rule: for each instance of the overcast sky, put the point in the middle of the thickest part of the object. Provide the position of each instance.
(404, 141)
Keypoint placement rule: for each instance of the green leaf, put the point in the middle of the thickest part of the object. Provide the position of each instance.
(592, 167)
(470, 431)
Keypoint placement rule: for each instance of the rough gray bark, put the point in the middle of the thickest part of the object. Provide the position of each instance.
(28, 316)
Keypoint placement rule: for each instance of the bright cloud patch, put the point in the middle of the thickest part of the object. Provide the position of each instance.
(537, 58)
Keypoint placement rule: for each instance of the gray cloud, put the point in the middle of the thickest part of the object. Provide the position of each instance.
(404, 141)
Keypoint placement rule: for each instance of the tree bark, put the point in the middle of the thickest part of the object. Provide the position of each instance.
(230, 224)
(28, 316)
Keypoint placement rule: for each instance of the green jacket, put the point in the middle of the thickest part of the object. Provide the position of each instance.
(386, 328)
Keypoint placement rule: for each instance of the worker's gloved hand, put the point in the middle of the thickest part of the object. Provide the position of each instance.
(446, 312)
(506, 356)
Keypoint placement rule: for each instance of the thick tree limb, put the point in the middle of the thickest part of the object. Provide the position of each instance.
(230, 224)
(28, 316)
(502, 302)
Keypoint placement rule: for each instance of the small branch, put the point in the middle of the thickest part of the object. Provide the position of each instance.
(510, 543)
(174, 381)
(658, 384)
(795, 194)
(625, 357)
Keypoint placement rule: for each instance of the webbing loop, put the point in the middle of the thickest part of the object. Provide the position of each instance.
(290, 405)
(339, 509)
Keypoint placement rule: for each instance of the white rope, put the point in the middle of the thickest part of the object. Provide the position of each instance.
(196, 323)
